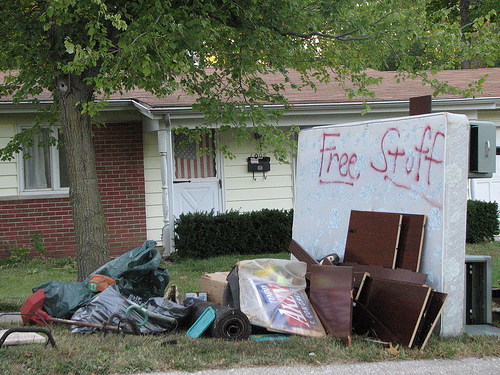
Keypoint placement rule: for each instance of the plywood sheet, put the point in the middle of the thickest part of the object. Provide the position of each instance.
(373, 238)
(410, 242)
(398, 306)
(331, 296)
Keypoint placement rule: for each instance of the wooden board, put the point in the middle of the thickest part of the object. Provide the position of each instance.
(410, 242)
(302, 255)
(398, 274)
(373, 238)
(434, 310)
(331, 296)
(397, 305)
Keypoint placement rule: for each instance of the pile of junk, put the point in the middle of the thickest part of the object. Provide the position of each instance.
(377, 291)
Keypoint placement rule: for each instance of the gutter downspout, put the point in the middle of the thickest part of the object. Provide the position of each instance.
(167, 182)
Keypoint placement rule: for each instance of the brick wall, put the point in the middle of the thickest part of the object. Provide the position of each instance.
(120, 168)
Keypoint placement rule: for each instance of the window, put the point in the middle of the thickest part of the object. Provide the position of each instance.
(44, 169)
(188, 162)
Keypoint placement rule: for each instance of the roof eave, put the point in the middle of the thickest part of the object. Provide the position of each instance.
(438, 105)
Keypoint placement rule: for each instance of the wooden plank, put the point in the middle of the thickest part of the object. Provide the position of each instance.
(397, 305)
(331, 296)
(411, 240)
(302, 255)
(373, 238)
(434, 310)
(358, 279)
(398, 274)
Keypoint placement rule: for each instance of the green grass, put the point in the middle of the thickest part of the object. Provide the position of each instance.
(17, 279)
(114, 354)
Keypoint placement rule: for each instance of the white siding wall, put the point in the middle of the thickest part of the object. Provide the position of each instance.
(243, 193)
(152, 175)
(8, 169)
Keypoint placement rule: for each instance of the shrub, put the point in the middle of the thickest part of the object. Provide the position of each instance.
(203, 235)
(482, 221)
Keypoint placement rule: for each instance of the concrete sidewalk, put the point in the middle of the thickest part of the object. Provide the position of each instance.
(11, 317)
(466, 366)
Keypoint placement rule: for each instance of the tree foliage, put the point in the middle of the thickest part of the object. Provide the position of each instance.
(119, 45)
(478, 20)
(218, 51)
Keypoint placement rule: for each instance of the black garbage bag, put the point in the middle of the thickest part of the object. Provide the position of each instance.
(110, 307)
(231, 296)
(63, 298)
(137, 272)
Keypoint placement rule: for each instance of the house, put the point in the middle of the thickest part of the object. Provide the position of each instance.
(146, 181)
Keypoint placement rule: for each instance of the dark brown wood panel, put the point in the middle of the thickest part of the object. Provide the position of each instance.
(398, 274)
(364, 322)
(410, 242)
(373, 238)
(397, 305)
(434, 310)
(331, 296)
(302, 255)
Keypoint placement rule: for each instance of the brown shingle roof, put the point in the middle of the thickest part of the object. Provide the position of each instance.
(388, 90)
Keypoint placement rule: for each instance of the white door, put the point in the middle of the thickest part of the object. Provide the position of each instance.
(196, 195)
(197, 187)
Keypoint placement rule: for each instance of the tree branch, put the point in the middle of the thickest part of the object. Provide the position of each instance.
(341, 37)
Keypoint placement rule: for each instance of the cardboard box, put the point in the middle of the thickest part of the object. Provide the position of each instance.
(214, 284)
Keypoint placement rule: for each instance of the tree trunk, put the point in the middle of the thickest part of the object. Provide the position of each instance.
(92, 248)
(464, 22)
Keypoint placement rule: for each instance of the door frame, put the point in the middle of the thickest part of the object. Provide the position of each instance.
(166, 148)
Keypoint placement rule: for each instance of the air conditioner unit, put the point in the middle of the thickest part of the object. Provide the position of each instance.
(482, 149)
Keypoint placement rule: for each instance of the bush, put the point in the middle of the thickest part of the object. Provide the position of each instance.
(482, 221)
(204, 235)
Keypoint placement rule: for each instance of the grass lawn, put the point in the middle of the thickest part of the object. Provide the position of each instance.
(114, 354)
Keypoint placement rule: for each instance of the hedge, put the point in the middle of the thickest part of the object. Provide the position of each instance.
(482, 221)
(204, 235)
(207, 234)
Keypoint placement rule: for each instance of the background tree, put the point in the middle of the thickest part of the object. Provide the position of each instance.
(478, 20)
(218, 51)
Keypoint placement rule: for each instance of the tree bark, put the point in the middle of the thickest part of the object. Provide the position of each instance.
(92, 248)
(464, 22)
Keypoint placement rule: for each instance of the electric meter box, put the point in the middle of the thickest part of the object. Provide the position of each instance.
(482, 149)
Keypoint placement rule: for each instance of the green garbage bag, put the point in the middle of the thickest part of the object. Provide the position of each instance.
(63, 298)
(136, 272)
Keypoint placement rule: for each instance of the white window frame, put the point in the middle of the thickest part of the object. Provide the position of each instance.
(56, 190)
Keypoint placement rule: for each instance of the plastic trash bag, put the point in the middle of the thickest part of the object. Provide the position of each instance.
(137, 272)
(63, 298)
(272, 295)
(110, 302)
